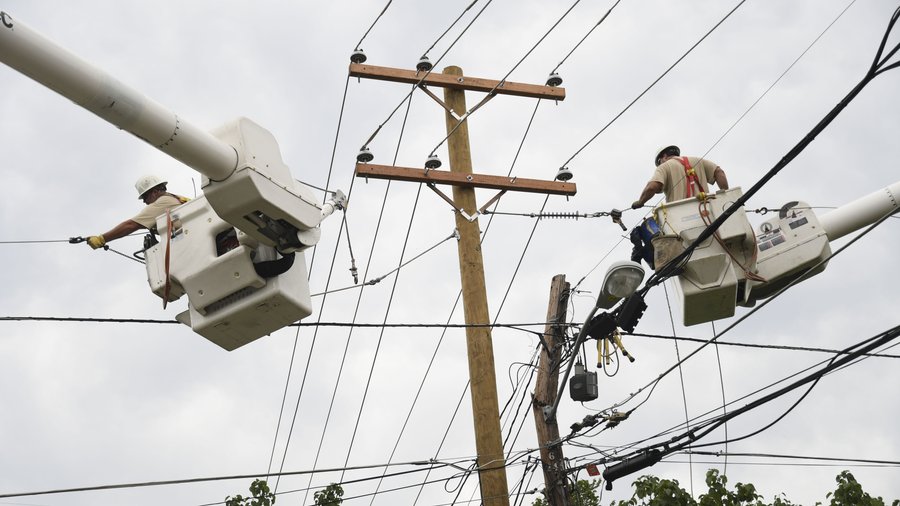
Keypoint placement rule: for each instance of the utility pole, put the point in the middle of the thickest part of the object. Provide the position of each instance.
(483, 387)
(555, 482)
(485, 408)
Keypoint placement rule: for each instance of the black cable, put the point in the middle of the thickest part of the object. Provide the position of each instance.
(798, 457)
(431, 465)
(782, 347)
(676, 444)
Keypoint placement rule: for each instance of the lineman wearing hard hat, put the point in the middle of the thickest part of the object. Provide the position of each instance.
(680, 177)
(152, 190)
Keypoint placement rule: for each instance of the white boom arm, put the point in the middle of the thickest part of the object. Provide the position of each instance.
(862, 212)
(245, 180)
(28, 52)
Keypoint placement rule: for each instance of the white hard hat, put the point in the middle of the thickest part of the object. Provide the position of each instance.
(660, 151)
(147, 183)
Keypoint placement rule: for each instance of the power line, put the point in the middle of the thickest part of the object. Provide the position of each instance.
(617, 116)
(648, 456)
(431, 465)
(795, 457)
(558, 65)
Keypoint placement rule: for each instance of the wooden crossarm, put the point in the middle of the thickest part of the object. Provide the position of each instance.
(467, 180)
(457, 82)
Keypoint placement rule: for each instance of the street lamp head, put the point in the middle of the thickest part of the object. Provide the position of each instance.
(621, 280)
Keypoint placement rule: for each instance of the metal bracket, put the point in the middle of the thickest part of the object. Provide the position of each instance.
(490, 202)
(439, 101)
(444, 196)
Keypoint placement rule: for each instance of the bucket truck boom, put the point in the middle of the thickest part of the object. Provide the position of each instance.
(737, 267)
(252, 210)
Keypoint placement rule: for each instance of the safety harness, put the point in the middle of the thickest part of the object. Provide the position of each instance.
(692, 188)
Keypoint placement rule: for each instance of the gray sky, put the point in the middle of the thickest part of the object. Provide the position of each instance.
(88, 404)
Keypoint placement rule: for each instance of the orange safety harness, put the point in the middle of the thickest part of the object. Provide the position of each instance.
(693, 187)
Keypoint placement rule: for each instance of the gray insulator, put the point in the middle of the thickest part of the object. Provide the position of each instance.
(364, 155)
(554, 80)
(424, 64)
(358, 56)
(564, 174)
(433, 162)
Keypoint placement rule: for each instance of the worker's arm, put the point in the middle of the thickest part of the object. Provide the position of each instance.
(121, 230)
(721, 180)
(652, 188)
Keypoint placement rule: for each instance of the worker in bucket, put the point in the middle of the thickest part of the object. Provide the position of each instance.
(152, 190)
(681, 177)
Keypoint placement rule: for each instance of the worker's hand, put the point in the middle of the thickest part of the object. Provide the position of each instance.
(96, 241)
(637, 204)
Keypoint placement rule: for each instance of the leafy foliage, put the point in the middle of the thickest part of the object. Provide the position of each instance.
(329, 496)
(850, 493)
(262, 496)
(654, 491)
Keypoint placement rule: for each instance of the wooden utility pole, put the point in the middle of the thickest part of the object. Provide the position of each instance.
(555, 483)
(485, 408)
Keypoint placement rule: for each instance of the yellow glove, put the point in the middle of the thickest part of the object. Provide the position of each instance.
(96, 241)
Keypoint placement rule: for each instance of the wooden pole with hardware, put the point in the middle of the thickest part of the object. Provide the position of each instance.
(552, 460)
(485, 407)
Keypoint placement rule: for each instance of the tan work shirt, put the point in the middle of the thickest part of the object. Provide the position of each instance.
(147, 217)
(674, 180)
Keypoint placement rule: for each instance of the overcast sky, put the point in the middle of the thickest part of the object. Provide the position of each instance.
(85, 404)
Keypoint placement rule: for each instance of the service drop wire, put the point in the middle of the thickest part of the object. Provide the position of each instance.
(879, 66)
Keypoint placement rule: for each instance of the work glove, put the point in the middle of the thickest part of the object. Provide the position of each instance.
(637, 204)
(96, 241)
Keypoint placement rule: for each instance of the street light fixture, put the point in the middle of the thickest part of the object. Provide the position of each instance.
(622, 280)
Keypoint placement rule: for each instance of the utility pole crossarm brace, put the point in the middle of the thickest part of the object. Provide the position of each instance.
(433, 176)
(457, 82)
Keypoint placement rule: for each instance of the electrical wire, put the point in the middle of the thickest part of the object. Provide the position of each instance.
(623, 111)
(377, 18)
(381, 278)
(687, 421)
(431, 464)
(558, 65)
(356, 310)
(679, 442)
(500, 83)
(425, 75)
